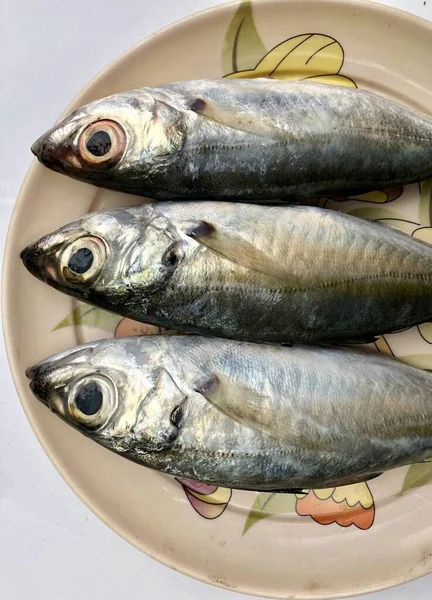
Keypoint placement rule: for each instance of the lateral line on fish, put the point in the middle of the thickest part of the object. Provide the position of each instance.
(225, 454)
(329, 284)
(366, 278)
(285, 139)
(386, 131)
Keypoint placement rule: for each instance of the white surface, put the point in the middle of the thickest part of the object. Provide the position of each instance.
(51, 545)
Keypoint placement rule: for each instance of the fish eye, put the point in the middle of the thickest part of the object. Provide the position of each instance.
(82, 261)
(99, 143)
(92, 400)
(102, 143)
(88, 398)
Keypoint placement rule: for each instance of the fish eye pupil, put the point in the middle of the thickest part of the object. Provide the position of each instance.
(89, 398)
(99, 143)
(81, 261)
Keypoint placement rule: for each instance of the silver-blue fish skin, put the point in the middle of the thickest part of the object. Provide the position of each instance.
(250, 272)
(252, 139)
(245, 415)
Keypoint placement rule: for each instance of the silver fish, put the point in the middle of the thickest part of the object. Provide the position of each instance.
(256, 139)
(250, 272)
(243, 415)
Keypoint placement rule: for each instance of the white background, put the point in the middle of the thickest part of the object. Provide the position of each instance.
(51, 545)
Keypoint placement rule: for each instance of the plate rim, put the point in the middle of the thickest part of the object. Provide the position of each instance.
(9, 338)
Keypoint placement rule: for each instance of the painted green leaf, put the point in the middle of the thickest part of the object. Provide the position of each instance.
(267, 504)
(421, 361)
(417, 475)
(243, 47)
(369, 212)
(425, 208)
(90, 316)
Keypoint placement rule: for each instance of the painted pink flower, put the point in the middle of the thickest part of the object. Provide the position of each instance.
(209, 501)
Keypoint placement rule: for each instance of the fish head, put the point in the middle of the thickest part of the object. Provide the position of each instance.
(115, 392)
(115, 259)
(112, 142)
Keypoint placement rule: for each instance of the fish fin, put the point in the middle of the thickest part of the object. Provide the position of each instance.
(241, 252)
(247, 407)
(239, 119)
(206, 384)
(201, 230)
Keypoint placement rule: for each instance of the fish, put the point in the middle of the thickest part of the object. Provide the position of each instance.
(278, 274)
(243, 415)
(257, 140)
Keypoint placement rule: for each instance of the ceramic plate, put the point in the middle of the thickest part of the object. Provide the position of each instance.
(319, 544)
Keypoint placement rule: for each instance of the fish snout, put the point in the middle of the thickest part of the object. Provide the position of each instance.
(47, 382)
(44, 149)
(37, 147)
(40, 383)
(33, 260)
(55, 148)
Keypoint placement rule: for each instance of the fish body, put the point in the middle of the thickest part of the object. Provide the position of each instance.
(243, 415)
(251, 139)
(248, 272)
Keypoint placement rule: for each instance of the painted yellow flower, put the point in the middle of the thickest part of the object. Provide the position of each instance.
(347, 505)
(309, 56)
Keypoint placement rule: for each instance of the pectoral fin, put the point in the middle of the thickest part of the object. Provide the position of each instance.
(243, 253)
(241, 120)
(247, 407)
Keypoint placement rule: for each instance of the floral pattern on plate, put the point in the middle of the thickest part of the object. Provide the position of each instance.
(318, 57)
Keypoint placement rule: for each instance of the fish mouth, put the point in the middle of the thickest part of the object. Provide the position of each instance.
(37, 146)
(37, 391)
(49, 377)
(54, 148)
(43, 148)
(33, 259)
(38, 383)
(59, 363)
(47, 154)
